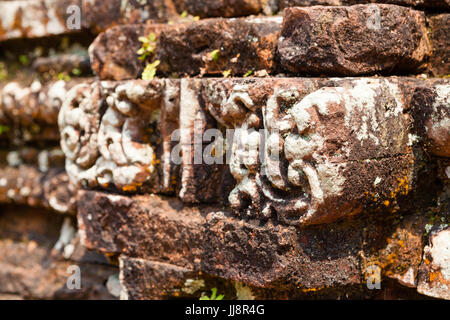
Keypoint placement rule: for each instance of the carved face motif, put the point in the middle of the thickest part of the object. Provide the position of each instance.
(306, 146)
(114, 149)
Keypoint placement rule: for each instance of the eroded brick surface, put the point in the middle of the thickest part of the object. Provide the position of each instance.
(37, 103)
(241, 45)
(26, 185)
(207, 240)
(35, 266)
(114, 53)
(350, 41)
(429, 4)
(440, 39)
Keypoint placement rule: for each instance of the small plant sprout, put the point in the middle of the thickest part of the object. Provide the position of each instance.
(226, 73)
(213, 296)
(3, 129)
(186, 15)
(150, 70)
(214, 55)
(248, 73)
(76, 72)
(24, 59)
(63, 76)
(148, 46)
(3, 71)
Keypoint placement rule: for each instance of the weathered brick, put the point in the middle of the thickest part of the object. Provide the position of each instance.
(220, 8)
(355, 40)
(47, 67)
(431, 106)
(114, 52)
(440, 40)
(35, 104)
(242, 45)
(26, 185)
(208, 240)
(33, 19)
(156, 234)
(32, 268)
(146, 279)
(107, 134)
(428, 4)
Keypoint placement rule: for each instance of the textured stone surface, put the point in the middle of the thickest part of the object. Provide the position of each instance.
(44, 159)
(31, 19)
(243, 45)
(114, 53)
(32, 267)
(208, 240)
(220, 8)
(432, 116)
(164, 230)
(255, 182)
(434, 272)
(351, 41)
(340, 45)
(100, 15)
(111, 136)
(34, 104)
(316, 137)
(296, 147)
(28, 186)
(65, 63)
(429, 4)
(42, 18)
(440, 40)
(143, 279)
(402, 254)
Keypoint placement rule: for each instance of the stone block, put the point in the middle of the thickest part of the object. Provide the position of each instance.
(114, 55)
(303, 142)
(212, 46)
(354, 40)
(421, 4)
(440, 40)
(26, 185)
(431, 106)
(302, 151)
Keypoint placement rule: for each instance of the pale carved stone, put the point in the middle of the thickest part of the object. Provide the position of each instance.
(304, 151)
(302, 164)
(106, 134)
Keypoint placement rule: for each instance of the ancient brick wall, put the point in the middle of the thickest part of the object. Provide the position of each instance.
(271, 149)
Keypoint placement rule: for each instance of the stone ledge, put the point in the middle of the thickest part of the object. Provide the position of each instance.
(189, 240)
(103, 152)
(33, 267)
(348, 46)
(27, 185)
(422, 4)
(43, 18)
(34, 104)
